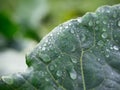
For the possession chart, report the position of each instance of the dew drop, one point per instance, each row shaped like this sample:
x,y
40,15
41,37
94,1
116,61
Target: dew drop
x,y
73,74
47,79
41,73
43,48
7,79
119,23
74,60
73,48
52,67
104,35
60,27
104,22
79,20
100,43
45,57
114,15
107,55
115,48
98,59
104,29
72,31
97,22
59,73
90,23
83,37
66,27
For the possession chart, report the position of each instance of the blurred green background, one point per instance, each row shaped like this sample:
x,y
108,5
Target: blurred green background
x,y
23,23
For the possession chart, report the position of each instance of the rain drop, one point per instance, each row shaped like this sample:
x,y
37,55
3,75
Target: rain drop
x,y
98,59
90,23
107,55
104,35
114,15
66,27
79,20
43,48
119,23
115,48
73,74
100,43
104,29
59,73
52,67
104,22
72,31
7,79
74,60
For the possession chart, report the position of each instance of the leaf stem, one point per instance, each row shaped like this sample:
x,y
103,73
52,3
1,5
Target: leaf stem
x,y
82,71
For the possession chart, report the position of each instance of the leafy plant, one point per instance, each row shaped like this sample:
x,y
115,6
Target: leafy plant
x,y
81,54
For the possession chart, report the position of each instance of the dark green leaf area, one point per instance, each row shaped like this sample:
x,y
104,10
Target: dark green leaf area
x,y
80,54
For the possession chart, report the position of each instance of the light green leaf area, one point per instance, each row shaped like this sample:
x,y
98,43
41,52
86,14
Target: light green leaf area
x,y
81,54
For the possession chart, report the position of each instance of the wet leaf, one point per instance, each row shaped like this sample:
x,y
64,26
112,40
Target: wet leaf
x,y
81,54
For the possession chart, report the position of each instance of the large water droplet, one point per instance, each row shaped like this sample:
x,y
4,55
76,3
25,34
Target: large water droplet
x,y
83,37
104,35
72,31
104,22
90,23
107,55
43,48
45,57
59,73
73,74
52,67
119,23
74,60
98,59
115,48
7,79
79,20
100,43
114,15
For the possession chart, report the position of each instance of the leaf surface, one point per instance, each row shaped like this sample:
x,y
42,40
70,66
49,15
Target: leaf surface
x,y
81,54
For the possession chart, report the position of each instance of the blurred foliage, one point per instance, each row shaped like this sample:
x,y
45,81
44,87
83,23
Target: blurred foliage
x,y
35,18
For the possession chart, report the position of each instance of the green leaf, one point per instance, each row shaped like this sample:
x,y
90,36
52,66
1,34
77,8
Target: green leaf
x,y
81,54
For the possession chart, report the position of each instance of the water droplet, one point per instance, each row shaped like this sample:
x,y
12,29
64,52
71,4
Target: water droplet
x,y
108,11
104,35
73,48
45,57
79,20
72,31
119,23
59,73
60,27
90,23
98,59
104,22
107,55
47,79
43,48
83,37
104,29
100,43
97,22
7,79
41,73
114,15
66,27
52,67
73,74
115,48
74,60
